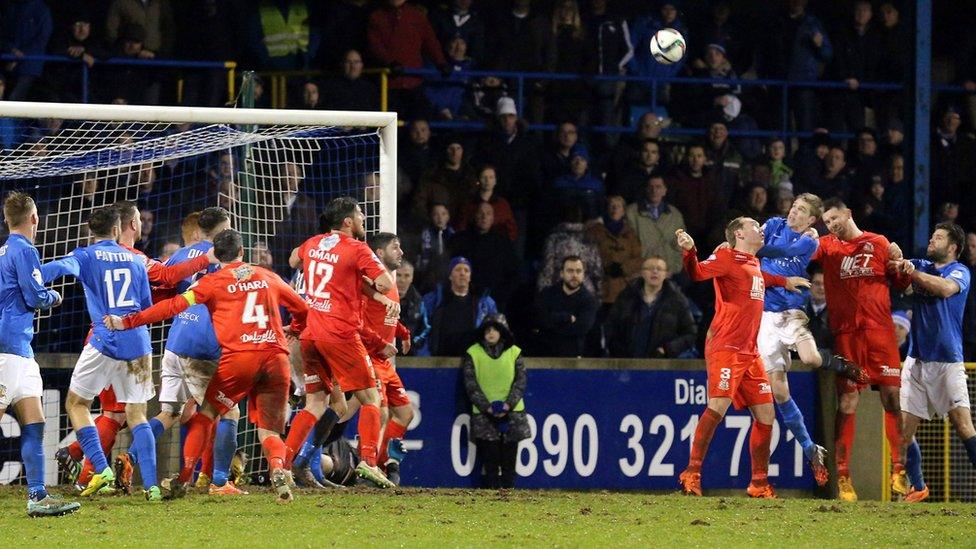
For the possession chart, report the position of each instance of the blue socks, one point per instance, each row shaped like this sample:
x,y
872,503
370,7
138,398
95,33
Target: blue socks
x,y
793,419
225,444
913,465
306,451
32,454
144,446
315,465
157,430
970,445
92,447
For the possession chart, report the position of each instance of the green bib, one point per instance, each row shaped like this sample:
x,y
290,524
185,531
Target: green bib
x,y
284,37
495,375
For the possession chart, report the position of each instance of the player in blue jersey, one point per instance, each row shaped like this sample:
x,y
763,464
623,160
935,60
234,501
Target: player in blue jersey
x,y
789,245
115,282
933,378
21,292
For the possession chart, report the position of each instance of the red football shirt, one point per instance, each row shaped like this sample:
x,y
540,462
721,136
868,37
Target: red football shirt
x,y
164,278
243,301
856,282
739,292
385,329
334,265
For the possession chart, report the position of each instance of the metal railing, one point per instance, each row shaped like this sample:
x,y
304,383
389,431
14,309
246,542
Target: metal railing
x,y
229,66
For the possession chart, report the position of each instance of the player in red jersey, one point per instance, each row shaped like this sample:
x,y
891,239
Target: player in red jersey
x,y
243,301
163,278
857,277
395,408
335,264
736,374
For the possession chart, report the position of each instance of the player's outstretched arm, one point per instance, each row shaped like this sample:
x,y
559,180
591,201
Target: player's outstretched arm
x,y
803,246
66,266
699,270
794,283
168,308
939,286
294,260
168,276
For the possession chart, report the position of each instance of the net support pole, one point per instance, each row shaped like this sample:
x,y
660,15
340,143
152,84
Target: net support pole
x,y
922,118
388,176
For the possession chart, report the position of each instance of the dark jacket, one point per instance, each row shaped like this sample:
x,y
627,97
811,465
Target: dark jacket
x,y
484,305
342,94
672,326
558,334
483,425
516,162
494,263
413,315
818,327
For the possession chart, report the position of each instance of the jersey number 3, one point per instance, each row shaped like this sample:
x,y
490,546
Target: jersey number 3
x,y
254,312
120,299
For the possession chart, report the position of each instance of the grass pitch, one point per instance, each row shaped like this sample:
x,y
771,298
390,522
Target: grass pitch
x,y
424,518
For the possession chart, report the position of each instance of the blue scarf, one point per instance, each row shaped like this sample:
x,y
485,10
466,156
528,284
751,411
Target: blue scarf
x,y
613,226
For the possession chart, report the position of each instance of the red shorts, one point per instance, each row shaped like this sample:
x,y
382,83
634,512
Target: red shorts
x,y
739,377
261,376
392,391
318,377
346,362
876,351
108,402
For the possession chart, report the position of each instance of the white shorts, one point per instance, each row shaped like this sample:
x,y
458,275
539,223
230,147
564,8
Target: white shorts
x,y
183,377
131,379
20,378
779,332
931,389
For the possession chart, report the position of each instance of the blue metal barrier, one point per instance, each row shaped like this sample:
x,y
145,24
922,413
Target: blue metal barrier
x,y
229,66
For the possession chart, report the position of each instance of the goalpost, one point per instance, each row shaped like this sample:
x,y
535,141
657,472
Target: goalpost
x,y
274,170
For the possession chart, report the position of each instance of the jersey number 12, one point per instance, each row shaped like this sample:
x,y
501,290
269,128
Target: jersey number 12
x,y
120,299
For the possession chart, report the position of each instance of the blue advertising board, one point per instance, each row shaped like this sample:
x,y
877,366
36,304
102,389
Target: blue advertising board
x,y
596,429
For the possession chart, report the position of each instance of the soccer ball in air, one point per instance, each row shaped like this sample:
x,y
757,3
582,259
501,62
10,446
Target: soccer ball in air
x,y
667,46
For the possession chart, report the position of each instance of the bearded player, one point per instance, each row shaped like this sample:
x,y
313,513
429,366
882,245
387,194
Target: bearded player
x,y
856,277
243,301
335,265
789,244
735,372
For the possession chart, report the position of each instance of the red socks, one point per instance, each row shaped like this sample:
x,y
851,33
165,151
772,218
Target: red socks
x,y
703,437
369,433
199,430
759,439
206,459
301,426
893,434
274,451
843,441
393,430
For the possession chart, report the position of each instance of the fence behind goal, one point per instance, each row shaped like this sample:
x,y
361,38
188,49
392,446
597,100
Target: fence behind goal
x,y
274,178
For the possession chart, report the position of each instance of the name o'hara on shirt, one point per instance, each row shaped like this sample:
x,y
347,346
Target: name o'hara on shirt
x,y
247,286
114,257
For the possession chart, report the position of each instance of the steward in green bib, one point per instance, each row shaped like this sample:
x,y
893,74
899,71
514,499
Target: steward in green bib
x,y
494,379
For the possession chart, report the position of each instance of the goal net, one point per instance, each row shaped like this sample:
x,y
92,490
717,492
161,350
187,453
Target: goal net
x,y
273,170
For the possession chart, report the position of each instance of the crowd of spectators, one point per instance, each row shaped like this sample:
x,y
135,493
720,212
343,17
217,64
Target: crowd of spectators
x,y
568,233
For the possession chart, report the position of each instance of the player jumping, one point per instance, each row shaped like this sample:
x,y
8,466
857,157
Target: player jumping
x,y
933,377
735,372
787,251
855,266
243,301
21,292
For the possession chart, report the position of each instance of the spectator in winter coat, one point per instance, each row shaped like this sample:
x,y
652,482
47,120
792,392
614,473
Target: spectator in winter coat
x,y
460,21
413,314
504,218
620,249
515,154
493,261
655,222
75,41
565,312
448,97
555,160
450,183
579,186
495,380
857,58
651,318
155,16
455,311
609,36
570,239
350,92
694,193
400,36
27,27
415,155
632,185
433,249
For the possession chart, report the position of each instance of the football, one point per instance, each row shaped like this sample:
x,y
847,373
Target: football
x,y
667,46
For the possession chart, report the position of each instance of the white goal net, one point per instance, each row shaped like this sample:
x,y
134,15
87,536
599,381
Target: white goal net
x,y
273,170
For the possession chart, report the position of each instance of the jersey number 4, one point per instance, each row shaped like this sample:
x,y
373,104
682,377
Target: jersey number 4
x,y
322,274
254,312
120,299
